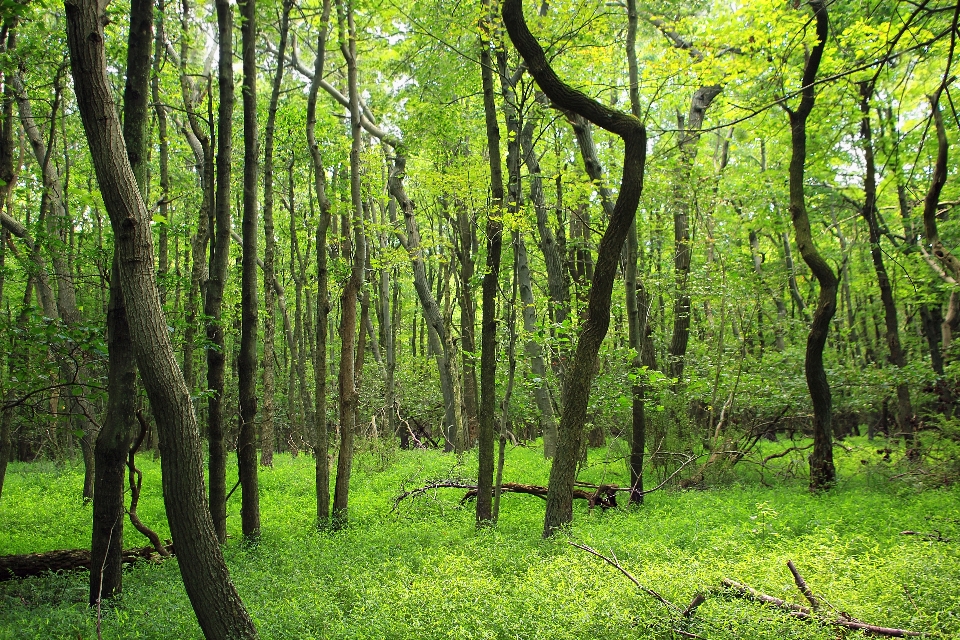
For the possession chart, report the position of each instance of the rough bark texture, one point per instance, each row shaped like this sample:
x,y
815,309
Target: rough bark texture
x,y
576,391
320,433
219,610
356,249
217,274
491,280
247,361
113,441
823,474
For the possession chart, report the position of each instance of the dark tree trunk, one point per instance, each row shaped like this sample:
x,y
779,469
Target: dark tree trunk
x,y
869,212
219,610
576,391
491,283
219,255
823,474
113,441
247,363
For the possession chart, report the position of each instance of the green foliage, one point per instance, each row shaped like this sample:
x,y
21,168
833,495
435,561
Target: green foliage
x,y
423,571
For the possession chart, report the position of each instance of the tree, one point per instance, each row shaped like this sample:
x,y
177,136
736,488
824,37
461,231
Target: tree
x,y
219,610
822,472
576,390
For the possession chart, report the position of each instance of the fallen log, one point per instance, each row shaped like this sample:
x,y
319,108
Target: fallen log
x,y
33,564
604,495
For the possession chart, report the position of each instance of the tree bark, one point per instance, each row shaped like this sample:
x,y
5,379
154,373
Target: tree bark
x,y
320,433
576,391
869,213
218,607
491,279
355,249
247,361
217,273
267,433
823,474
113,441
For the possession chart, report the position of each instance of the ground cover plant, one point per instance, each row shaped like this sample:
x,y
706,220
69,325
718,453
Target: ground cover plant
x,y
422,569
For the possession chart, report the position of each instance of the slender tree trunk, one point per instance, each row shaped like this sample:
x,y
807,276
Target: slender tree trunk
x,y
491,280
247,364
349,394
869,212
576,392
823,474
219,255
320,432
219,610
113,441
270,250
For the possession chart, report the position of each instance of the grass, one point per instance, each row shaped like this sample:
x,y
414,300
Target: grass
x,y
424,571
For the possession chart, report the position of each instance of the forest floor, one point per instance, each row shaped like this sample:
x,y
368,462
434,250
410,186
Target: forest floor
x,y
422,570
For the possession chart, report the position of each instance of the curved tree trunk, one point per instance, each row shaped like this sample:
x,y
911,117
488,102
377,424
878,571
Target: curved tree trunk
x,y
219,610
823,474
576,390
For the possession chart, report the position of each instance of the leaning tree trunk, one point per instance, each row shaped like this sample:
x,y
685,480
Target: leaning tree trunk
x,y
576,392
219,610
823,474
113,441
247,361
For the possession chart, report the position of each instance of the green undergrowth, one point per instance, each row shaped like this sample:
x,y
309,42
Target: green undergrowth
x,y
422,570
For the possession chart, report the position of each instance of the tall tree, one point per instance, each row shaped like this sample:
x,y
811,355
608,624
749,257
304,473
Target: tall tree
x,y
113,441
219,610
247,361
576,391
823,474
491,277
355,249
217,273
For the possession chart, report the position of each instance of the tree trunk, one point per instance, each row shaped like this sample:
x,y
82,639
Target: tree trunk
x,y
113,441
320,433
823,474
869,213
269,257
349,394
491,281
219,255
576,391
247,364
218,607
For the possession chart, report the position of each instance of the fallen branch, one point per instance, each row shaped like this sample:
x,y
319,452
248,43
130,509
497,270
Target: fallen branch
x,y
604,495
805,613
802,585
33,564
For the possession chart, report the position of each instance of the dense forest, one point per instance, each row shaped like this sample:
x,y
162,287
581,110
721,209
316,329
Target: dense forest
x,y
671,230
